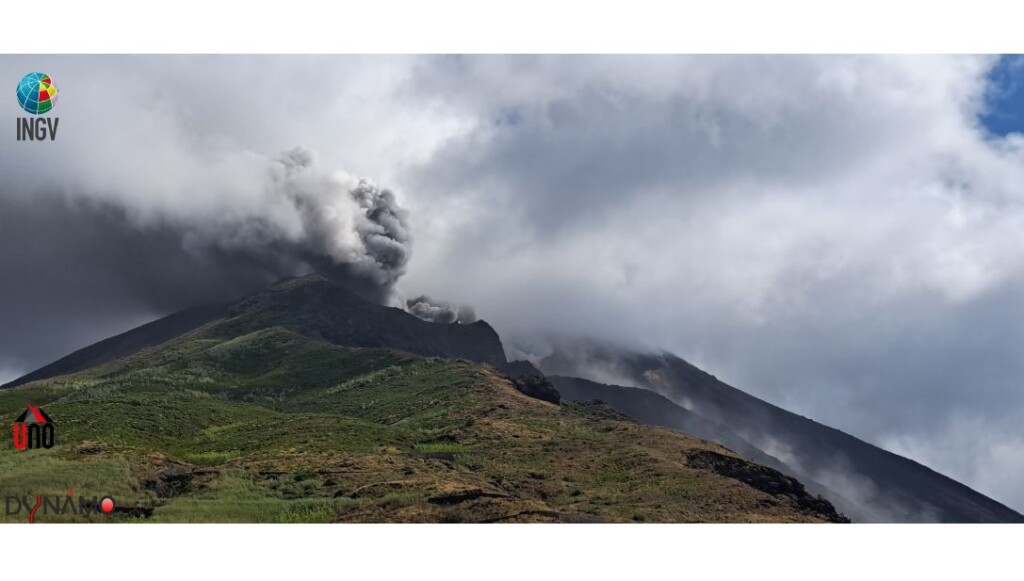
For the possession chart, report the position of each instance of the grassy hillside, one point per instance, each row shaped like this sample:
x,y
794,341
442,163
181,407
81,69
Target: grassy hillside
x,y
271,426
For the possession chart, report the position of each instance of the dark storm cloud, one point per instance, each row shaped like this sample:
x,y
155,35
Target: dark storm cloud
x,y
75,272
154,205
78,268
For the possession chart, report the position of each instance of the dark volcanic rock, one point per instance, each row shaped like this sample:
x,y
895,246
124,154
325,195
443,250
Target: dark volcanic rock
x,y
311,306
767,480
320,309
520,368
537,387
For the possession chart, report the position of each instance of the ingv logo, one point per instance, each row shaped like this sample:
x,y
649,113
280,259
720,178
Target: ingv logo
x,y
37,95
33,429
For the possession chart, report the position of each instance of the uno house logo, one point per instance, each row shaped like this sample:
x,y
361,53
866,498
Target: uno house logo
x,y
33,429
37,95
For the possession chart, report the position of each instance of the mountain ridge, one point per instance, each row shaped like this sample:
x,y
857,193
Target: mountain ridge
x,y
317,309
363,326
869,483
258,417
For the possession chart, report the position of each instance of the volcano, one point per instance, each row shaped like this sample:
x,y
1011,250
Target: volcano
x,y
866,482
324,406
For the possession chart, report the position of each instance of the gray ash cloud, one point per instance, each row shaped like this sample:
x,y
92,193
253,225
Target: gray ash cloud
x,y
81,266
434,311
354,231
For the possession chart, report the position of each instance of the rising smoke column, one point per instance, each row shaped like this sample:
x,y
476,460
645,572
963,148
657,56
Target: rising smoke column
x,y
105,255
222,233
354,232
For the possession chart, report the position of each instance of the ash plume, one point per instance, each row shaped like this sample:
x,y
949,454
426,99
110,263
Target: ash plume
x,y
440,312
110,256
353,231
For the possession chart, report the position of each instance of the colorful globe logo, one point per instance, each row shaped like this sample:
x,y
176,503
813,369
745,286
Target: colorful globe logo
x,y
36,93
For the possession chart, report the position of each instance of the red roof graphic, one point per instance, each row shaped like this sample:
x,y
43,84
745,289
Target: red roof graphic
x,y
33,415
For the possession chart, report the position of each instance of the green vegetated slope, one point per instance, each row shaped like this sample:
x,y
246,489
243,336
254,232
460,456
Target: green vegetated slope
x,y
271,426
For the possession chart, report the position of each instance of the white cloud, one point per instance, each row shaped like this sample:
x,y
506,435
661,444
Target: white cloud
x,y
837,235
972,449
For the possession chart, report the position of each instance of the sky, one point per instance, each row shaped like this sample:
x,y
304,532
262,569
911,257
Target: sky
x,y
1004,113
837,235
